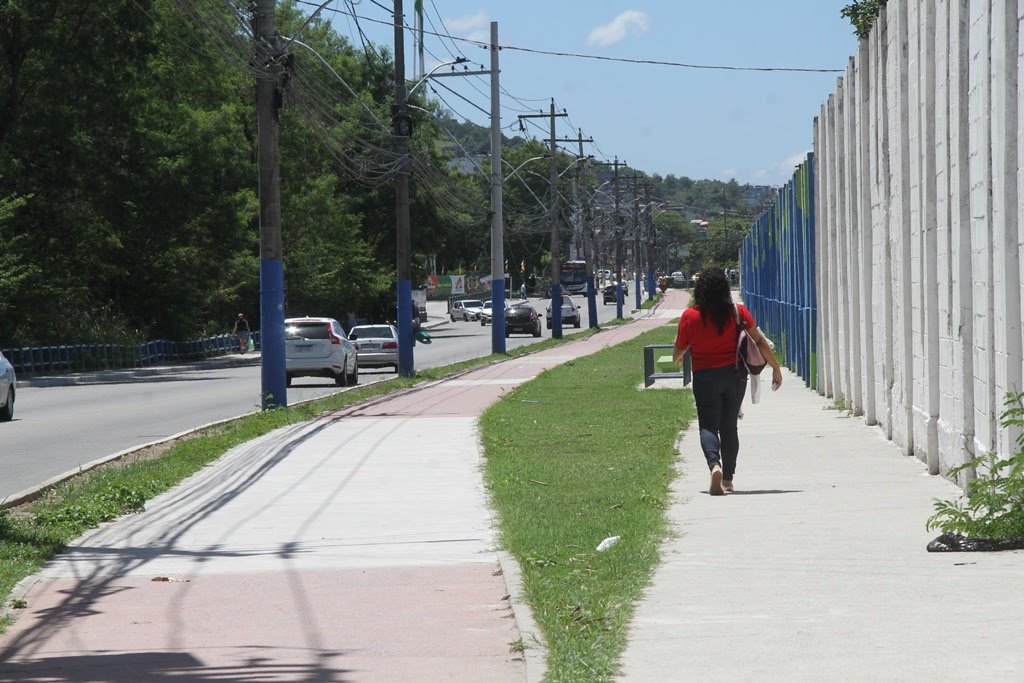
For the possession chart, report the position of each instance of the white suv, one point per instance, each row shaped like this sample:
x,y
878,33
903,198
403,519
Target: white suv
x,y
318,347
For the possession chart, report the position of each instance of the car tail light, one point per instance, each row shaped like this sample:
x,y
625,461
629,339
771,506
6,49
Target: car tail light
x,y
533,316
335,339
355,345
390,345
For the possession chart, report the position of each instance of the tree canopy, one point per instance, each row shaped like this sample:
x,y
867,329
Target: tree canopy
x,y
128,197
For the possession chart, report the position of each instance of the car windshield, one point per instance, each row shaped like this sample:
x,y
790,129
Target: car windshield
x,y
307,331
372,331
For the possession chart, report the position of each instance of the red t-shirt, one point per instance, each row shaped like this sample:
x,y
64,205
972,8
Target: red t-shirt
x,y
708,349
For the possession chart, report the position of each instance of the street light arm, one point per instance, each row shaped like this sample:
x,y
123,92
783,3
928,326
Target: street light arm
x,y
516,169
457,60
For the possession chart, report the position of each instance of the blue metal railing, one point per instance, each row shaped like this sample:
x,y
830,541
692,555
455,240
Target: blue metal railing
x,y
84,357
778,274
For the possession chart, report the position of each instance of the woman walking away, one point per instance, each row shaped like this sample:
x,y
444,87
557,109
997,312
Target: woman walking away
x,y
242,332
709,330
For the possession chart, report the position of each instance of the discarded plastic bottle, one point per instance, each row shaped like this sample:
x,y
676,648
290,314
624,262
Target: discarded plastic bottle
x,y
607,543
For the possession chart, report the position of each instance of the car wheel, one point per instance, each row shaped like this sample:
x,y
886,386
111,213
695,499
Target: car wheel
x,y
288,380
576,324
353,379
536,332
341,380
482,323
7,412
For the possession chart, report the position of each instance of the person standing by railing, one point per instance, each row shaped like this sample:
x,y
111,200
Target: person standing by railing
x,y
242,332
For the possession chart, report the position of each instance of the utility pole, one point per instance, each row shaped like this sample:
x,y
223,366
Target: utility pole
x,y
497,224
556,255
618,240
588,246
649,233
587,251
636,241
402,132
268,100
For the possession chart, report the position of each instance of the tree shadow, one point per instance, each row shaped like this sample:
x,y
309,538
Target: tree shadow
x,y
179,667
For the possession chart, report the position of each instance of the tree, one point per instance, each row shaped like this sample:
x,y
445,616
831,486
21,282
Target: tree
x,y
863,14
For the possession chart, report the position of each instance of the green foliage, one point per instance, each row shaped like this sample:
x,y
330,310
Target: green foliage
x,y
863,14
994,507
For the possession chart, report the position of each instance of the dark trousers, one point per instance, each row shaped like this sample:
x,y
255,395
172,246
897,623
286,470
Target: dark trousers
x,y
718,393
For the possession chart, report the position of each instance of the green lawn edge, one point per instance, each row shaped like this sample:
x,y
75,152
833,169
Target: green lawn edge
x,y
577,455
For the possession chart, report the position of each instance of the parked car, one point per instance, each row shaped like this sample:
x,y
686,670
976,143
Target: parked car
x,y
522,318
679,279
7,382
318,347
487,314
570,313
376,345
466,309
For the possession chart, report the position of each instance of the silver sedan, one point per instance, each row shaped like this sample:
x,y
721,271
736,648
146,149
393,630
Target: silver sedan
x,y
376,345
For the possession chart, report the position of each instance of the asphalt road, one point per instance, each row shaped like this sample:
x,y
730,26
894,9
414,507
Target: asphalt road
x,y
58,429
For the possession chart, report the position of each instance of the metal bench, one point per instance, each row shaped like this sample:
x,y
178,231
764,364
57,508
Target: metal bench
x,y
651,364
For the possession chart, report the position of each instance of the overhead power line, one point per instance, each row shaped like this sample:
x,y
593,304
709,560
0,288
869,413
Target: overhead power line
x,y
578,55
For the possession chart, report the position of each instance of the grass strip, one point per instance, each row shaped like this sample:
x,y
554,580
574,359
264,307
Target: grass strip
x,y
575,456
34,534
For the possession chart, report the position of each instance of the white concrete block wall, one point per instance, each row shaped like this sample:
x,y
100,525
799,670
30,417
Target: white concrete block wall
x,y
920,175
899,230
852,246
840,232
930,341
916,129
962,268
821,221
834,333
980,134
864,66
880,227
945,91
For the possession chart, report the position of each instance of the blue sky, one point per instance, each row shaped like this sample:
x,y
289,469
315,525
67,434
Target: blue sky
x,y
749,125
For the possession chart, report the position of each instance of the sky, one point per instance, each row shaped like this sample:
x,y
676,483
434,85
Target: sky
x,y
753,126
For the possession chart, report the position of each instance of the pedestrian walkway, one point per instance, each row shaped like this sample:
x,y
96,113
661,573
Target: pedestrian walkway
x,y
360,547
356,547
815,569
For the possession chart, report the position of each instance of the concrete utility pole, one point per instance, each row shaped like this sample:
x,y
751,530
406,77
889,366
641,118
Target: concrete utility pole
x,y
268,102
588,246
556,256
497,224
400,120
649,232
636,240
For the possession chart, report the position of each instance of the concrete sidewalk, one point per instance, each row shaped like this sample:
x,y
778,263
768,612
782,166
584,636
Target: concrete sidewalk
x,y
356,547
359,547
816,569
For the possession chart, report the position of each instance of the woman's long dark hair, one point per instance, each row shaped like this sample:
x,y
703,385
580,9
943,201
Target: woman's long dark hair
x,y
713,298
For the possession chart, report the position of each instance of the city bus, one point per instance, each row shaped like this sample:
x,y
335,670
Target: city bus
x,y
574,277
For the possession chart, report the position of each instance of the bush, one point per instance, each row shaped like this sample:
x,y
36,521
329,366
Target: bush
x,y
994,507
